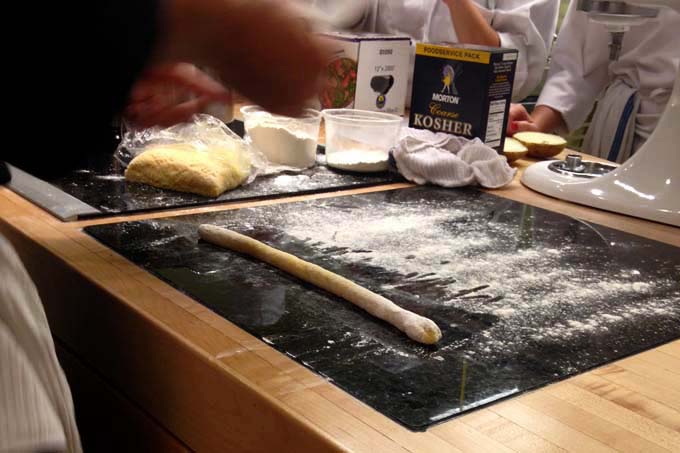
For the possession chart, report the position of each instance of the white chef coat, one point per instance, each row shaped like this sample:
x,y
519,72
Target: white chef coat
x,y
36,410
525,25
580,68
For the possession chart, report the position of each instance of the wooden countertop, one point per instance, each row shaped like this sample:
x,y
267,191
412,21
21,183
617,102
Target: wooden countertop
x,y
217,388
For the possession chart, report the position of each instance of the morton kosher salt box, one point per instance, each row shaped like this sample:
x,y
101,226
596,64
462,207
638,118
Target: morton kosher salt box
x,y
463,90
367,71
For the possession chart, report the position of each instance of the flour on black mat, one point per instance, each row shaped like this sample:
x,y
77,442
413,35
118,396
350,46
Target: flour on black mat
x,y
498,267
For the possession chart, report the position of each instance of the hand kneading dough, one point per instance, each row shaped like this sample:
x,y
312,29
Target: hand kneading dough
x,y
183,168
418,328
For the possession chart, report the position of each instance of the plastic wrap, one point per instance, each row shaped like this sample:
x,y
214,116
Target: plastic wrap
x,y
203,133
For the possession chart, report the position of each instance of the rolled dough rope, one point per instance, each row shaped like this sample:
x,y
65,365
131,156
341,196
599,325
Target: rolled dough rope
x,y
418,328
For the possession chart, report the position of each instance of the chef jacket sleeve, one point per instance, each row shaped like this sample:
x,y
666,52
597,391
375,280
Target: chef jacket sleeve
x,y
529,27
578,69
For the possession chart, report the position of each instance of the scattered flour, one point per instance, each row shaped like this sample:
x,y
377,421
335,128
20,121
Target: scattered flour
x,y
485,267
504,312
289,180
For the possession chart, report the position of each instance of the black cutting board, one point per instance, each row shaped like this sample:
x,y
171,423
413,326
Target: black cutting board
x,y
524,296
103,187
99,188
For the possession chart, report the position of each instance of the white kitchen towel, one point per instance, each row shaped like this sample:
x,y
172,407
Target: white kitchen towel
x,y
446,160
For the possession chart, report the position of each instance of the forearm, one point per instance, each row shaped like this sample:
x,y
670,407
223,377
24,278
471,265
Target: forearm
x,y
243,41
203,31
188,26
470,25
547,119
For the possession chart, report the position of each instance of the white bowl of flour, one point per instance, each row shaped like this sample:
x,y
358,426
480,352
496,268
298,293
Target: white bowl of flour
x,y
283,140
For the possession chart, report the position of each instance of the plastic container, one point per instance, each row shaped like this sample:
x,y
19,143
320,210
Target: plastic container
x,y
284,141
360,140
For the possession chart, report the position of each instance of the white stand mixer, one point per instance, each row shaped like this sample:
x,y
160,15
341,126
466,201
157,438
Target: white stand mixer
x,y
648,184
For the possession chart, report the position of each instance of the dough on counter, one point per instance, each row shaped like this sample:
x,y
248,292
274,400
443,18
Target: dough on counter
x,y
418,328
184,168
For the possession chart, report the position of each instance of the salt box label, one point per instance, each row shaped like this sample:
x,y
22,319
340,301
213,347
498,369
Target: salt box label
x,y
463,90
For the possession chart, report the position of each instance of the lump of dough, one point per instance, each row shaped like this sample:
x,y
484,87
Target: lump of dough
x,y
417,327
184,168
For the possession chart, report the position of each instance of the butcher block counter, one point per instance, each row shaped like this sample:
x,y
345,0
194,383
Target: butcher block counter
x,y
154,370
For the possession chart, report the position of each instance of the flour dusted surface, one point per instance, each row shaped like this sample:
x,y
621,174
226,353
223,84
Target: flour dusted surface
x,y
537,291
524,297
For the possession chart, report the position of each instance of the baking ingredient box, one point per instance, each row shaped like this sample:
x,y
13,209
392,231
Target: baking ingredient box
x,y
368,71
463,90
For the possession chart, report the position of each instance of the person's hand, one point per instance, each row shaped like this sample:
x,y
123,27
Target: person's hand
x,y
257,47
171,93
519,120
542,119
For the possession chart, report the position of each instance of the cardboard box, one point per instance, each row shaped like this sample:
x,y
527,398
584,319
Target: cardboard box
x,y
463,90
368,72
